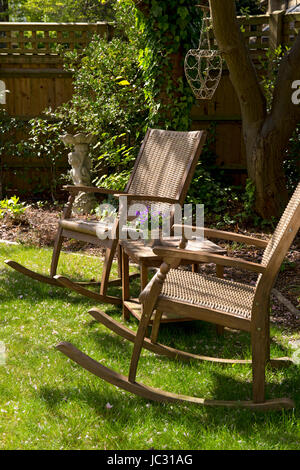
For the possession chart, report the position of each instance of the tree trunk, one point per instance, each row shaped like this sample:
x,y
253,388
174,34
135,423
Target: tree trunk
x,y
266,135
265,169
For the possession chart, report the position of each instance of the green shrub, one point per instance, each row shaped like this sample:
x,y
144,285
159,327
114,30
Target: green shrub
x,y
12,207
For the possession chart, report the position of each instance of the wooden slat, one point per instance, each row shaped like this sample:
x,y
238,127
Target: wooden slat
x,y
17,26
37,73
253,20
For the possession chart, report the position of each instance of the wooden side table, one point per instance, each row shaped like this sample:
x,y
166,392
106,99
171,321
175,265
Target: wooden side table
x,y
143,255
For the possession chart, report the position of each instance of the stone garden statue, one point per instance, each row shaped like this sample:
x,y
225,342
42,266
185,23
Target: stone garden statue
x,y
81,169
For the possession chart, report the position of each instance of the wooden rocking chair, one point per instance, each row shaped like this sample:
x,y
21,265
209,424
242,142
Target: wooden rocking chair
x,y
162,174
223,302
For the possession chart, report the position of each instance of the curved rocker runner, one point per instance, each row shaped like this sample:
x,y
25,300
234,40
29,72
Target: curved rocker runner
x,y
61,281
168,351
155,394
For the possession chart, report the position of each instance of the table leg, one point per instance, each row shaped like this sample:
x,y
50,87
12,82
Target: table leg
x,y
125,283
119,255
220,271
144,276
144,281
195,267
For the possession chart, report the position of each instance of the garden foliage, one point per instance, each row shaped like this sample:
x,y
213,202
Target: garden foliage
x,y
60,11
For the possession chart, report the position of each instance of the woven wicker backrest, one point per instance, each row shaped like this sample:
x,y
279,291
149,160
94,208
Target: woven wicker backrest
x,y
282,225
166,163
279,243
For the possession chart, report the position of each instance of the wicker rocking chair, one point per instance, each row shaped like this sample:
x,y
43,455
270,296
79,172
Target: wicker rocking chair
x,y
210,299
161,175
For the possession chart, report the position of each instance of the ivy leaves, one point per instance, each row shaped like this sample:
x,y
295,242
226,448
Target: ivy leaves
x,y
170,28
156,9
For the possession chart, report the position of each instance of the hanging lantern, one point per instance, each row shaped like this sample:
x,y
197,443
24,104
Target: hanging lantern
x,y
203,66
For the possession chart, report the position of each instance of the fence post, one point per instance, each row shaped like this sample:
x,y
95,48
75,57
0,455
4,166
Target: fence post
x,y
276,28
105,29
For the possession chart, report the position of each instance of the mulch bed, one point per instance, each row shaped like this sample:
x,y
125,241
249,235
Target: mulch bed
x,y
37,227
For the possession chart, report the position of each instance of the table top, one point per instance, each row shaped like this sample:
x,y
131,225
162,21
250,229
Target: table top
x,y
139,252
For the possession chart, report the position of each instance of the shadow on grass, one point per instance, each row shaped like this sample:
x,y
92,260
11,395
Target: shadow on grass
x,y
197,337
224,385
35,290
128,410
220,382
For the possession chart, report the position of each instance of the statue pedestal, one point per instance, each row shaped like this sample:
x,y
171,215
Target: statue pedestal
x,y
81,170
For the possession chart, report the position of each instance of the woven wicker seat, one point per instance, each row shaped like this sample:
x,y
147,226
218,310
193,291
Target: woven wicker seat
x,y
88,227
208,292
161,176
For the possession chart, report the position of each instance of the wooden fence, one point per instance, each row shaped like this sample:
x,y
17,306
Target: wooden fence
x,y
31,64
31,68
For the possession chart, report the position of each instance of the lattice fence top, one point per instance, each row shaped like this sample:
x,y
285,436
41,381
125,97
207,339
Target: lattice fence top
x,y
25,39
263,31
21,39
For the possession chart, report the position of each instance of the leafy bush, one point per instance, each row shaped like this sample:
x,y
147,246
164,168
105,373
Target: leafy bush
x,y
12,207
58,11
37,138
11,145
45,142
108,89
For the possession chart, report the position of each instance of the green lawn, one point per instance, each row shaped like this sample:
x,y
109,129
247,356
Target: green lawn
x,y
49,402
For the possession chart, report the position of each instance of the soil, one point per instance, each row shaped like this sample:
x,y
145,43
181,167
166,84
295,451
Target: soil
x,y
37,226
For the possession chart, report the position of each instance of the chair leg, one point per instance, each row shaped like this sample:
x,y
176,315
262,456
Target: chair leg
x,y
59,239
144,279
260,343
259,360
56,252
155,326
138,343
109,256
268,339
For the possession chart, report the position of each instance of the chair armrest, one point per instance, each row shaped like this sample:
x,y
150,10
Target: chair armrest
x,y
145,197
92,189
221,235
204,257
